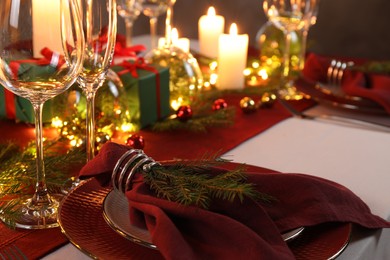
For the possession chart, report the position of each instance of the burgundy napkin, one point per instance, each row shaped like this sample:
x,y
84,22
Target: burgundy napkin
x,y
235,230
375,87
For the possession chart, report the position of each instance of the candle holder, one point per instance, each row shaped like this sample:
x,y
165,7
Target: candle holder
x,y
186,78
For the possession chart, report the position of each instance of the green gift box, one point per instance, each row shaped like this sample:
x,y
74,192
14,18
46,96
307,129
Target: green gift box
x,y
20,109
147,91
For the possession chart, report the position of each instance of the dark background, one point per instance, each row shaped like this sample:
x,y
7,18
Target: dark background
x,y
354,28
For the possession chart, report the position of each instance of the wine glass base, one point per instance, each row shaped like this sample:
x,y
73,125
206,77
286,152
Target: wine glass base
x,y
70,184
27,216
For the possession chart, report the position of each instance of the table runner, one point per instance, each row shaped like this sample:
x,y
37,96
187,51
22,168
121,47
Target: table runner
x,y
160,146
191,145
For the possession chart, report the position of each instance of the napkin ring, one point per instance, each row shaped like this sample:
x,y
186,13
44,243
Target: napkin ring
x,y
131,162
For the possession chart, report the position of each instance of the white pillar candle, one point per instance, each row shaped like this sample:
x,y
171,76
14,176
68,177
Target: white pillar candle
x,y
46,26
182,43
210,27
232,58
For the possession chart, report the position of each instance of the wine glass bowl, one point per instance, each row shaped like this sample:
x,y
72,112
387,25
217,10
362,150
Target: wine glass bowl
x,y
290,16
129,10
33,66
286,15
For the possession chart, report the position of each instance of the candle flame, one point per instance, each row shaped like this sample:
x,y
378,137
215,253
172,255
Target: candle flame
x,y
233,29
211,11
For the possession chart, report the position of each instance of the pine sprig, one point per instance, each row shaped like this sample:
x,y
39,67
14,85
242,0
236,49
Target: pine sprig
x,y
381,67
18,172
200,122
191,183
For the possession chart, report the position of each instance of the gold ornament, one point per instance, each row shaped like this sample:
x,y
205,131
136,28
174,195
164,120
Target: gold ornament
x,y
248,105
267,100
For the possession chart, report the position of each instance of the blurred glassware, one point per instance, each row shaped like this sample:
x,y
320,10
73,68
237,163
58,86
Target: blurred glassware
x,y
290,16
304,32
271,44
168,23
185,76
129,10
153,9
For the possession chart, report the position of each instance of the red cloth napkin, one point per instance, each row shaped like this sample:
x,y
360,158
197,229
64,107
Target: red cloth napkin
x,y
235,230
375,87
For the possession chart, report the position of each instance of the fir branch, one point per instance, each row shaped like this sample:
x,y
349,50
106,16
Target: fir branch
x,y
380,67
18,170
199,122
190,183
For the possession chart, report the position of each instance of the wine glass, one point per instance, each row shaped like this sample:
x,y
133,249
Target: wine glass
x,y
100,26
153,9
99,19
129,10
289,16
37,35
185,75
168,23
304,33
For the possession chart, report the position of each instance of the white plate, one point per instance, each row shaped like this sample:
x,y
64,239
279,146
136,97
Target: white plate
x,y
116,214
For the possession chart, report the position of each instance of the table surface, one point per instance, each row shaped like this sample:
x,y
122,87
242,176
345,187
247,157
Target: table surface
x,y
353,157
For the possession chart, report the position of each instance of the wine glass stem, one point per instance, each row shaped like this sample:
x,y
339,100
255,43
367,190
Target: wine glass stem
x,y
286,56
90,123
41,195
153,23
168,24
129,32
302,57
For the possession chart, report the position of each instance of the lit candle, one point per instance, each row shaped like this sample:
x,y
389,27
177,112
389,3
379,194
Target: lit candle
x,y
182,43
210,27
232,58
46,26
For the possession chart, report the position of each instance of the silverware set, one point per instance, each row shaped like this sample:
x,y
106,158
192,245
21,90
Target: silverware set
x,y
335,73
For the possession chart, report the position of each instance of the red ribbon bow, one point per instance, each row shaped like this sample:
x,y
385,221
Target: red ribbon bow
x,y
120,48
128,51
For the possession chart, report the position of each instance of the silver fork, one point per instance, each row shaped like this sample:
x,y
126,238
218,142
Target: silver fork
x,y
334,77
336,70
12,252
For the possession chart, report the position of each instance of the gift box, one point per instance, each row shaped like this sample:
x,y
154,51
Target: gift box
x,y
146,89
20,109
